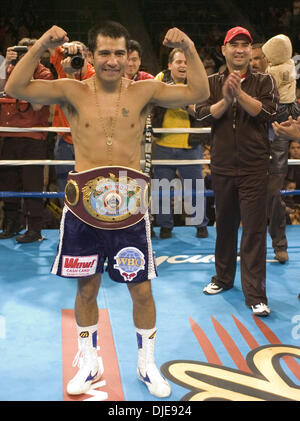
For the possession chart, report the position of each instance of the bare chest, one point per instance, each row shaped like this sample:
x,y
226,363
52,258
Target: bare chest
x,y
109,120
107,131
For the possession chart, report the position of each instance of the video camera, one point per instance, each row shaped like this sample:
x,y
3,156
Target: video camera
x,y
77,60
21,50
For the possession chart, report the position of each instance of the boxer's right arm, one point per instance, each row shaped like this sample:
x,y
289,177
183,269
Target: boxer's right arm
x,y
21,84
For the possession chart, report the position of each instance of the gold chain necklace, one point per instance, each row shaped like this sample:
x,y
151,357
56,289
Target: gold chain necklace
x,y
109,137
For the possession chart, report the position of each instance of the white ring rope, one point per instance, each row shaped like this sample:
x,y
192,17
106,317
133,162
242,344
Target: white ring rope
x,y
67,130
58,162
36,162
154,162
34,129
183,130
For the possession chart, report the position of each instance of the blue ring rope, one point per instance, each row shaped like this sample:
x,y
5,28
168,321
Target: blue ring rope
x,y
54,195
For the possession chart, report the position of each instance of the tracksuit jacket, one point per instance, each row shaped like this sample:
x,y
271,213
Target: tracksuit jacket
x,y
239,142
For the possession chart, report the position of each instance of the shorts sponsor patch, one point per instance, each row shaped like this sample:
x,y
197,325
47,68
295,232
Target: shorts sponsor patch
x,y
79,266
129,261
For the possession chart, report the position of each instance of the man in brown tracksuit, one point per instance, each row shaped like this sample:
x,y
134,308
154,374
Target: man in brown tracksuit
x,y
242,103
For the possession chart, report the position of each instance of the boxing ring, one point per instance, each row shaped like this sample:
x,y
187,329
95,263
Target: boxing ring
x,y
209,347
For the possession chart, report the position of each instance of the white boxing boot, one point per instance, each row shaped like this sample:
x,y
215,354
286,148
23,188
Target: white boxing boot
x,y
87,360
147,371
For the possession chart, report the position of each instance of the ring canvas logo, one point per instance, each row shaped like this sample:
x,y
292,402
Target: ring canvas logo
x,y
129,261
79,266
258,376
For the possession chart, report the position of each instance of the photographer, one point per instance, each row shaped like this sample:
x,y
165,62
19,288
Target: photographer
x,y
23,146
70,61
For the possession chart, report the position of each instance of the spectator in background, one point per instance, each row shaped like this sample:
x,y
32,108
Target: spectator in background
x,y
258,60
278,164
290,129
289,201
8,30
64,66
3,30
134,61
294,149
278,51
208,61
296,13
285,19
241,105
295,216
218,58
171,146
294,170
27,145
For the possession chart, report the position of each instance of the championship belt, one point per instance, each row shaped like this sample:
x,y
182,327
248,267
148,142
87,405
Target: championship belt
x,y
108,197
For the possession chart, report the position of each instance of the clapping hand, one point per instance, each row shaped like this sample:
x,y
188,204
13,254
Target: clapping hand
x,y
289,129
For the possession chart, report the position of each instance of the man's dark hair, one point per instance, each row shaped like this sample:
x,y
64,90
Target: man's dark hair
x,y
173,52
109,29
134,45
257,45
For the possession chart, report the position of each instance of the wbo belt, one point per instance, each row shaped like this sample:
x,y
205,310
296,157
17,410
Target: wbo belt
x,y
108,197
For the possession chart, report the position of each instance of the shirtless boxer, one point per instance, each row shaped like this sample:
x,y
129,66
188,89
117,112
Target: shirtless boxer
x,y
107,115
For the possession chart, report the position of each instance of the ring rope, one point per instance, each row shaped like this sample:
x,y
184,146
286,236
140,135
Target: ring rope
x,y
36,162
147,162
53,195
154,162
67,130
34,129
148,141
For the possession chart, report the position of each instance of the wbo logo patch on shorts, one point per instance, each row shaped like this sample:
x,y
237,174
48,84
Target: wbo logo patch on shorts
x,y
129,261
79,266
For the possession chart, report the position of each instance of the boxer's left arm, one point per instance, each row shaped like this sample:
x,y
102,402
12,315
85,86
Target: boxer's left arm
x,y
197,87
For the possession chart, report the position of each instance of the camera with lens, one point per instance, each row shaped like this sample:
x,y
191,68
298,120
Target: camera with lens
x,y
77,60
20,50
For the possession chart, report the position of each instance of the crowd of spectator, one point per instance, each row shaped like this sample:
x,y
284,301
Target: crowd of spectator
x,y
26,23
